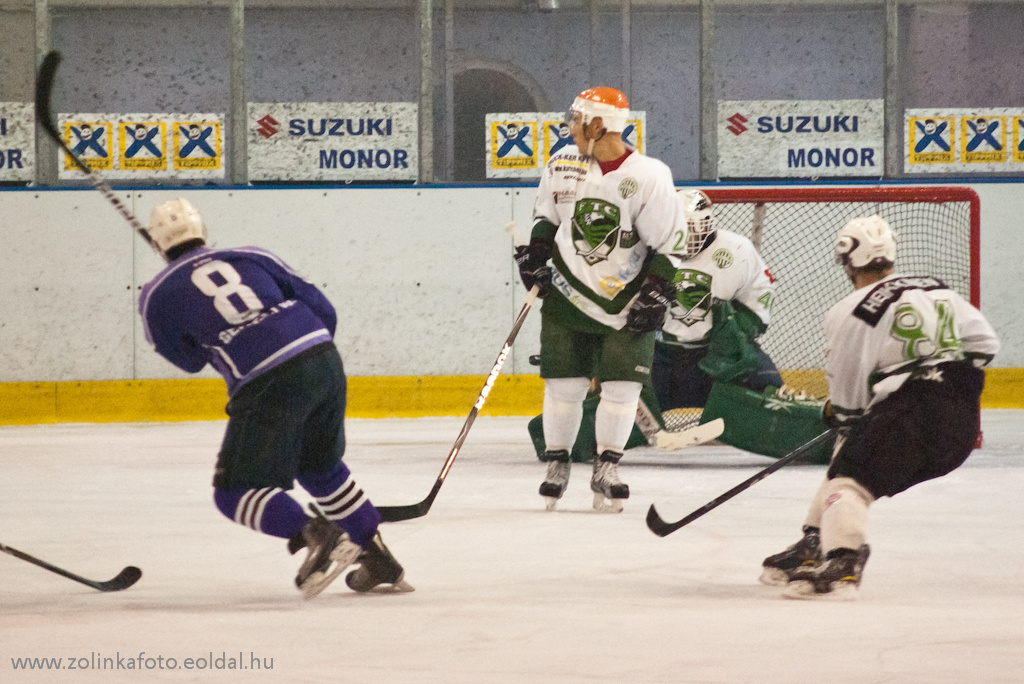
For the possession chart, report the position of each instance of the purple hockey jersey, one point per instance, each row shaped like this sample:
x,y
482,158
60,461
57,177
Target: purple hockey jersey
x,y
244,311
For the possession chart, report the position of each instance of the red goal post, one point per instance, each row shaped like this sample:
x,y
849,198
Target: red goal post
x,y
937,233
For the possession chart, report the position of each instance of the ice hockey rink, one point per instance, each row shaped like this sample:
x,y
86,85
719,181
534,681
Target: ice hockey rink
x,y
505,591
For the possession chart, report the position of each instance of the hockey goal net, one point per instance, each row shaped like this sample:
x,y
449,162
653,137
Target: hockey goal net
x,y
937,233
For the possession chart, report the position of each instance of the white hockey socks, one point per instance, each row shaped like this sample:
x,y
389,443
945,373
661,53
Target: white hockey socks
x,y
616,414
563,411
818,505
845,515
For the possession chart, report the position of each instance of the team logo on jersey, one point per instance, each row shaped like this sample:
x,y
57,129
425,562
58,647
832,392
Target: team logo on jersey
x,y
628,188
693,296
595,229
722,258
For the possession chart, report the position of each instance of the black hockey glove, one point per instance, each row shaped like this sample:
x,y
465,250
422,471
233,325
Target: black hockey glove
x,y
532,260
648,312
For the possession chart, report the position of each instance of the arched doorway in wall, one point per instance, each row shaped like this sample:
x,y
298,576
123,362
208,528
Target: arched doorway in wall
x,y
476,92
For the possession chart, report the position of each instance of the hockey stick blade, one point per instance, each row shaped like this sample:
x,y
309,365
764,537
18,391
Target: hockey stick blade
x,y
662,528
692,437
44,115
124,579
407,512
418,510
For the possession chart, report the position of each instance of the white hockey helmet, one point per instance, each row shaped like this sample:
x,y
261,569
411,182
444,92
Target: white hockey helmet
x,y
608,103
174,222
698,210
866,242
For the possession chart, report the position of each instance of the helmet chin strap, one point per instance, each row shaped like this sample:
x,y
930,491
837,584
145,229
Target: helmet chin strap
x,y
591,141
851,272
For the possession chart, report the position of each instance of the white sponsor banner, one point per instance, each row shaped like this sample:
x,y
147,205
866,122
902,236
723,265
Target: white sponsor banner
x,y
520,144
333,141
963,140
17,142
801,138
127,146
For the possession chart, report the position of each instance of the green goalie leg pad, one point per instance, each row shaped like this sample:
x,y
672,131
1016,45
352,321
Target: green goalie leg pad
x,y
766,423
586,441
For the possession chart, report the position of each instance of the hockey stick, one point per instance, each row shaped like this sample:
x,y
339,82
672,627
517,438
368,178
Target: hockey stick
x,y
44,115
416,510
126,578
662,528
663,439
691,437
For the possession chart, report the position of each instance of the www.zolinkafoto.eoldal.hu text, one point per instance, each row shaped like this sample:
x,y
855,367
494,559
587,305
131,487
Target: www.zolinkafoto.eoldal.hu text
x,y
144,661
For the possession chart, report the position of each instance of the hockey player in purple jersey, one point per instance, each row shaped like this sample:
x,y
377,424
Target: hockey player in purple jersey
x,y
270,334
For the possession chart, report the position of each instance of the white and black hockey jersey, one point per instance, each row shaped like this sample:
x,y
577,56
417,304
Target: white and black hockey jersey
x,y
607,223
730,269
879,336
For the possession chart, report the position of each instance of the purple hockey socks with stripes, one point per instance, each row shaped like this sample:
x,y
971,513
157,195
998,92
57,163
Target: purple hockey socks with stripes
x,y
343,502
269,510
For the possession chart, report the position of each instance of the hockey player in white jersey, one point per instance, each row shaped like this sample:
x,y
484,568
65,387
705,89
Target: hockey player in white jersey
x,y
904,358
719,275
721,295
605,216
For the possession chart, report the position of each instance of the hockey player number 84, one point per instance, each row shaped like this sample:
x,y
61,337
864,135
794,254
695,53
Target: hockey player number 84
x,y
222,292
908,328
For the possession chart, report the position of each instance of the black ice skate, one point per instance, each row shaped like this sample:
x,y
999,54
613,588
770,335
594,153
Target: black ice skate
x,y
806,553
557,479
377,567
609,490
329,551
837,578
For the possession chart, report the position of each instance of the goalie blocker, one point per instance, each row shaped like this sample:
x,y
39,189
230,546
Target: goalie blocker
x,y
771,423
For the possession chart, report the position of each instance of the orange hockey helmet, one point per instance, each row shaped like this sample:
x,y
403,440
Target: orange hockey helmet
x,y
608,103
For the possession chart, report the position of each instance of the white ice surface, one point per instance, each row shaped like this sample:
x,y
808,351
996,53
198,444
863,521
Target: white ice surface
x,y
505,591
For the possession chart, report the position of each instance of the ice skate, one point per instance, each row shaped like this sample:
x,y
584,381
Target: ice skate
x,y
377,567
806,553
837,578
329,552
609,490
554,484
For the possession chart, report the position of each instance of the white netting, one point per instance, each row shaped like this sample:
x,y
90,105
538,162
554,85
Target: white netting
x,y
795,230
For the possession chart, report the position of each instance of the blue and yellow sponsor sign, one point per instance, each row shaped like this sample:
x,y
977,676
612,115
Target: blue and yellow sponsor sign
x,y
197,144
1017,150
513,145
556,136
930,140
91,141
633,134
142,144
983,139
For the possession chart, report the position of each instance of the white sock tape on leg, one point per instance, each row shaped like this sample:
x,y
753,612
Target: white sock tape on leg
x,y
563,411
616,414
845,515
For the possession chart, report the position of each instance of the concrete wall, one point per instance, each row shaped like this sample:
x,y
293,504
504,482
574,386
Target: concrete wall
x,y
130,57
422,277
